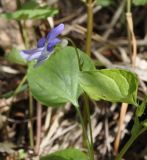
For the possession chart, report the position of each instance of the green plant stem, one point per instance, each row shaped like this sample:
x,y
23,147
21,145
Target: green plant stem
x,y
86,114
85,133
20,85
26,42
89,123
86,139
30,123
38,128
129,2
89,26
128,144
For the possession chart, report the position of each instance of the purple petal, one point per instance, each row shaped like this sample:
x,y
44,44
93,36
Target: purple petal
x,y
41,42
55,32
41,59
32,51
31,54
34,56
52,44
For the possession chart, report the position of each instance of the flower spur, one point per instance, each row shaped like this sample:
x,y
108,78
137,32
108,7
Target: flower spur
x,y
45,46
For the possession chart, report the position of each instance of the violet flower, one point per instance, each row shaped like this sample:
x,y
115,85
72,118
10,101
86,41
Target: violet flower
x,y
45,46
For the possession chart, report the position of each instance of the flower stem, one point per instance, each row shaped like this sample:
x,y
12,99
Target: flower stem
x,y
129,2
89,26
86,111
30,123
85,133
89,123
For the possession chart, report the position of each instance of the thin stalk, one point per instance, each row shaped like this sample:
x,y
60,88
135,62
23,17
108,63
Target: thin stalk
x,y
129,2
18,2
26,42
131,38
20,85
38,128
128,144
86,139
128,30
89,123
85,133
123,111
21,27
86,114
89,26
30,123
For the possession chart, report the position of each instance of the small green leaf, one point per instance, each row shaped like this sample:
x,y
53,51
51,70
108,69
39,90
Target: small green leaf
x,y
136,127
32,13
110,84
56,81
66,154
144,123
141,108
140,2
15,57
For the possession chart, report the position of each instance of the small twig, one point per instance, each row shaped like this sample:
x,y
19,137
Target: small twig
x,y
70,16
66,130
123,111
25,120
133,42
38,131
52,130
101,58
48,119
107,141
89,26
98,38
133,54
115,19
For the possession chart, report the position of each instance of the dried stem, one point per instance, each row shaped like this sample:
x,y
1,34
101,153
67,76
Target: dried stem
x,y
123,111
133,53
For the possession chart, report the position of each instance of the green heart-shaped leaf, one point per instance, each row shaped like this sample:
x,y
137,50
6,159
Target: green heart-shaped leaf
x,y
56,81
110,84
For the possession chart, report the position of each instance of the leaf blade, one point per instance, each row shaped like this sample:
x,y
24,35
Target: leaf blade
x,y
110,84
67,154
56,81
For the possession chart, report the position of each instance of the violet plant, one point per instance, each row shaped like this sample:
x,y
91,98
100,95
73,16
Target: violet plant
x,y
55,79
65,76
